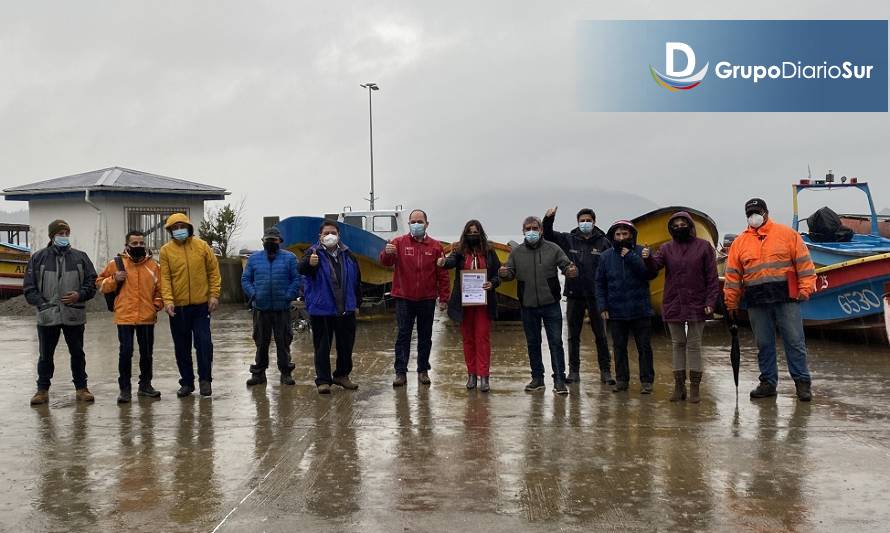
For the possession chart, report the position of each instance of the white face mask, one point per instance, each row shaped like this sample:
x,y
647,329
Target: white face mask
x,y
330,240
755,220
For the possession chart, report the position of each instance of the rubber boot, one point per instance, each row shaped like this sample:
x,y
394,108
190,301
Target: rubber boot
x,y
679,386
694,383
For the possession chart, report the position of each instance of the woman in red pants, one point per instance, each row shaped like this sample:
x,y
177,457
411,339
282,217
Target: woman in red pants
x,y
472,252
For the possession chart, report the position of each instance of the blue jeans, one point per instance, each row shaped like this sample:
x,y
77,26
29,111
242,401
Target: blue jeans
x,y
407,312
765,320
192,323
551,316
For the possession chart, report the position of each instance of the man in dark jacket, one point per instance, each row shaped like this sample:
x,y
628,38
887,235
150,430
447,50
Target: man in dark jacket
x,y
622,292
333,295
534,265
583,245
58,282
271,282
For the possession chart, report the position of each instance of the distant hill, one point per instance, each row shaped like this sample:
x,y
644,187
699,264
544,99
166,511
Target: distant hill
x,y
14,217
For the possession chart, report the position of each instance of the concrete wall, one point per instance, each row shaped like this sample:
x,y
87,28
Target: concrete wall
x,y
100,236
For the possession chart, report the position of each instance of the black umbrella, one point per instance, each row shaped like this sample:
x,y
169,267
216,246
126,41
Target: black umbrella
x,y
735,353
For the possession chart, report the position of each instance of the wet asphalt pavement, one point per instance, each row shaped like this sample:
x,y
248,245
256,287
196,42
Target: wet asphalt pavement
x,y
440,458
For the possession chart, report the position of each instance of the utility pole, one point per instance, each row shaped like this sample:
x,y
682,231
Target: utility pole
x,y
371,87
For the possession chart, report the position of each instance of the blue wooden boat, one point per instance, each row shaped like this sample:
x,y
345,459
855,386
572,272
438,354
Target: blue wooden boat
x,y
830,253
849,295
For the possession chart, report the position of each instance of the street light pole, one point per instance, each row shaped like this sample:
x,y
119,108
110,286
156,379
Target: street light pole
x,y
371,87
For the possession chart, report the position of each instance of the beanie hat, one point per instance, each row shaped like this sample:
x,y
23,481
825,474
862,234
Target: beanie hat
x,y
56,226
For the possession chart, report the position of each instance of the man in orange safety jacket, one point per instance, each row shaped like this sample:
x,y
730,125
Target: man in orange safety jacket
x,y
769,266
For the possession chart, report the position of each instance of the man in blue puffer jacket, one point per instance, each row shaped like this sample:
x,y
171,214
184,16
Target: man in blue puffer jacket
x,y
271,282
333,296
622,292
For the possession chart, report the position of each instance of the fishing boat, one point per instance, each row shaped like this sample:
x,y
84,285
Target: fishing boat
x,y
830,253
13,262
652,231
366,233
849,295
862,224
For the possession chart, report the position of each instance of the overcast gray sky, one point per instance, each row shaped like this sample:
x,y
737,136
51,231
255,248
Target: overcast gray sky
x,y
476,98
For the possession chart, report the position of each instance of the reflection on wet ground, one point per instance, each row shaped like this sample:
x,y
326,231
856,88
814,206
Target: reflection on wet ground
x,y
279,458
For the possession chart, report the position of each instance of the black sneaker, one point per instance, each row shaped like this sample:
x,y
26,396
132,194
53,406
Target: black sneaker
x,y
148,391
764,390
559,387
256,379
535,384
620,386
804,393
124,396
645,388
185,390
205,388
606,378
287,379
573,377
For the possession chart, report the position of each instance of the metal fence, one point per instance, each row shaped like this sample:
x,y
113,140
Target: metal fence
x,y
150,220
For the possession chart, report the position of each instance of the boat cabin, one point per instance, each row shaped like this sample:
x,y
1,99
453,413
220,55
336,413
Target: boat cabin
x,y
385,223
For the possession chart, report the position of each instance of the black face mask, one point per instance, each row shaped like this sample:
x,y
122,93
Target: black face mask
x,y
270,246
472,240
623,243
681,234
136,252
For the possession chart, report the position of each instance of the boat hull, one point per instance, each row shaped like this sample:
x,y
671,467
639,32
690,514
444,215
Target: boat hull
x,y
848,295
832,253
652,231
13,263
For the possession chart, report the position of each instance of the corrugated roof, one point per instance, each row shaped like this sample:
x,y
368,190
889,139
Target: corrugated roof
x,y
115,179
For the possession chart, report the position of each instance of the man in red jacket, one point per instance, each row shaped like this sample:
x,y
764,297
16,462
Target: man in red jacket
x,y
416,282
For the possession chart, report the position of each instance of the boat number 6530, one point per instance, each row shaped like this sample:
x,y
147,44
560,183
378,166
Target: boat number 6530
x,y
856,302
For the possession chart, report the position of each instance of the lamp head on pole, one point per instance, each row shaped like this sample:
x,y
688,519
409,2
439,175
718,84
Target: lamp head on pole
x,y
370,85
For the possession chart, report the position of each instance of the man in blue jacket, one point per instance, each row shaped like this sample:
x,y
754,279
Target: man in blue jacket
x,y
622,292
333,295
271,282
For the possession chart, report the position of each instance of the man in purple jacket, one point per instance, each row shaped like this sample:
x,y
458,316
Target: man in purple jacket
x,y
691,289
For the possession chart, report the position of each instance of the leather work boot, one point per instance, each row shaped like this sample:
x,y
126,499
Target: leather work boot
x,y
324,388
287,379
205,388
424,378
764,390
804,393
534,384
606,378
125,396
345,382
694,386
400,380
84,395
679,386
573,377
40,397
471,381
148,391
256,379
484,384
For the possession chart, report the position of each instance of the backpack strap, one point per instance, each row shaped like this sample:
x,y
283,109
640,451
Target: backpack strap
x,y
119,263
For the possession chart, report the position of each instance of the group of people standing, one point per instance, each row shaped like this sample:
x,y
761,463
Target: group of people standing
x,y
607,279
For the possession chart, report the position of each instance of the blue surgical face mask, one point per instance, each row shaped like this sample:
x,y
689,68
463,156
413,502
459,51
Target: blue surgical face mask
x,y
61,241
181,234
532,237
417,229
585,227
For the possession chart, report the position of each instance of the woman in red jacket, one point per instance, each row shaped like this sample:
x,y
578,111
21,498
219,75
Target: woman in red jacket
x,y
691,289
472,252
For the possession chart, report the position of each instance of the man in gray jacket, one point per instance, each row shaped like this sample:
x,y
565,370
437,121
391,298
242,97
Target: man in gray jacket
x,y
534,265
58,282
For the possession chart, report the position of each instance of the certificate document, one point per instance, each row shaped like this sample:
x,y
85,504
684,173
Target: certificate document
x,y
471,290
